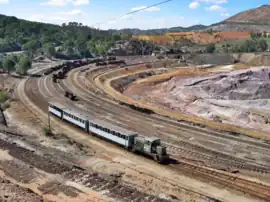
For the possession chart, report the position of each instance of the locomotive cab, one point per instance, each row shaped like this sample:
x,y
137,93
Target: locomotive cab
x,y
151,146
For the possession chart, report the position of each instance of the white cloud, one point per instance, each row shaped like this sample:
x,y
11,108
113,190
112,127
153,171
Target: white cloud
x,y
126,17
194,4
214,8
214,1
225,14
74,12
4,1
112,22
64,2
154,8
56,2
80,2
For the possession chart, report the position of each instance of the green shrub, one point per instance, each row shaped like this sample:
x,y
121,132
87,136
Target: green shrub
x,y
6,105
47,131
4,96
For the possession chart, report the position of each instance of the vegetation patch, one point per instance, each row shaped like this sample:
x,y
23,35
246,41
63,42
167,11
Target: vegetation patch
x,y
47,131
4,96
5,105
4,100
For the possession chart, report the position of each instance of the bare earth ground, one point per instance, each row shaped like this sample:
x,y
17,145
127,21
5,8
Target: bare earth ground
x,y
240,97
45,165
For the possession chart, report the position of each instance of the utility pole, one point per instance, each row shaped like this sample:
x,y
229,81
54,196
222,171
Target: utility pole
x,y
49,121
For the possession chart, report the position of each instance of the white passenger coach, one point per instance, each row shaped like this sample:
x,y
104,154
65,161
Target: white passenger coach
x,y
96,126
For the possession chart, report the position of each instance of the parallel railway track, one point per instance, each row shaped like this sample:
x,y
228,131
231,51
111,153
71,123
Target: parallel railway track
x,y
251,188
232,181
197,150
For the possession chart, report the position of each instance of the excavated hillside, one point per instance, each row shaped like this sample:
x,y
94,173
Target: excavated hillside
x,y
240,97
195,37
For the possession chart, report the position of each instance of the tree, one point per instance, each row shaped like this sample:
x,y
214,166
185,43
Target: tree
x,y
24,64
32,45
116,37
253,35
70,51
211,48
9,64
45,39
262,45
49,50
248,46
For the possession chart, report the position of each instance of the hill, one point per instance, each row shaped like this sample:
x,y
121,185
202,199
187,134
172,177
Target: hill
x,y
73,40
259,15
159,31
253,20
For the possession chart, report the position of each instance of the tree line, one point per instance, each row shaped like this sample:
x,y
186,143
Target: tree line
x,y
15,63
70,40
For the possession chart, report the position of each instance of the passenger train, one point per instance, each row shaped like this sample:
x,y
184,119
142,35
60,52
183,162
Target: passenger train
x,y
130,140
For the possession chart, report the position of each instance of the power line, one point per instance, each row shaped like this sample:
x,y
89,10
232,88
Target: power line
x,y
132,12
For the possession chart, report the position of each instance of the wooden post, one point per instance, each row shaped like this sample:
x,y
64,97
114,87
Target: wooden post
x,y
49,121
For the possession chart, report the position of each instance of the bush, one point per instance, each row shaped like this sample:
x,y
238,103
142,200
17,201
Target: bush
x,y
4,96
5,106
47,131
210,48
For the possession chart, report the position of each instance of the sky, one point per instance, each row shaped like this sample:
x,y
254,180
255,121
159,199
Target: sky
x,y
111,14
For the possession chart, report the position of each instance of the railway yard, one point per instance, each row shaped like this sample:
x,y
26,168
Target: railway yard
x,y
209,160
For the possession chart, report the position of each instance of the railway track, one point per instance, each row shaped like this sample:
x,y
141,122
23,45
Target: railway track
x,y
33,94
191,149
251,188
255,189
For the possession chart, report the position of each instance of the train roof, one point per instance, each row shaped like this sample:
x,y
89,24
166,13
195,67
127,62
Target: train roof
x,y
113,127
79,113
87,116
57,104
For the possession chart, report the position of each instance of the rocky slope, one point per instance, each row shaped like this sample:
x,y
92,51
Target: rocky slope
x,y
240,97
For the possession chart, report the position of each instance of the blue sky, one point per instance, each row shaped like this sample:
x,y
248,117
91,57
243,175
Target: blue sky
x,y
90,12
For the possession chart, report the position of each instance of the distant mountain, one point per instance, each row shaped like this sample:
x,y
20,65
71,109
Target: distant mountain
x,y
259,15
253,20
159,31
